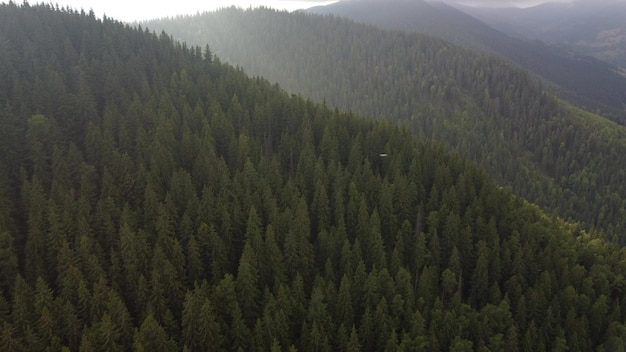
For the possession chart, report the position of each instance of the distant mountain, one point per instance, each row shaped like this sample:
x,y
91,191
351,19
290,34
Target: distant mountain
x,y
437,19
581,79
596,28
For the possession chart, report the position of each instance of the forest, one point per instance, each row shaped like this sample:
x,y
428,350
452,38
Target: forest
x,y
154,198
581,79
558,156
583,26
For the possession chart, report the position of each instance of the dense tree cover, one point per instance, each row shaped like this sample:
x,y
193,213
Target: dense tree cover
x,y
593,28
582,79
155,199
562,159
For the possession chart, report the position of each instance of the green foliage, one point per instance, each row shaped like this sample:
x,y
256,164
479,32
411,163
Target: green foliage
x,y
268,222
483,107
580,78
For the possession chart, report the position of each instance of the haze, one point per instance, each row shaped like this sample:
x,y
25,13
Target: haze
x,y
504,3
138,10
524,3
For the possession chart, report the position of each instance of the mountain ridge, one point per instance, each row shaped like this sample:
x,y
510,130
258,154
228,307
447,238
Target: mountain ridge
x,y
580,79
486,108
596,29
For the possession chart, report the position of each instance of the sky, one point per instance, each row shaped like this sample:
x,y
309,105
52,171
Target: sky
x,y
505,3
137,10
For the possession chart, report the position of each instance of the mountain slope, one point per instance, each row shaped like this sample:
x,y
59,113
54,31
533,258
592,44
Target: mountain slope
x,y
163,201
487,109
593,28
584,80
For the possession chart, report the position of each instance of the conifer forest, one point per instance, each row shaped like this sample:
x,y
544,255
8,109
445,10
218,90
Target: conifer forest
x,y
153,197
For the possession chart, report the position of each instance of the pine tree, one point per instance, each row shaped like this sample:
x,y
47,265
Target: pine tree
x,y
480,276
22,307
344,313
106,335
378,243
36,252
461,345
8,341
214,250
275,259
8,262
194,262
200,330
247,283
70,328
354,345
298,250
152,337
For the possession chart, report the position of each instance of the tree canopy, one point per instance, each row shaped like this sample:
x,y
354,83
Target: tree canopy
x,y
557,156
154,198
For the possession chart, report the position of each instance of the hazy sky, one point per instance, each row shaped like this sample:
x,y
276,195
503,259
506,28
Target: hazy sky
x,y
132,10
505,3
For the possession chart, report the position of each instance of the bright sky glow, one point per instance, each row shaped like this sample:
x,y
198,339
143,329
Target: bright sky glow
x,y
137,10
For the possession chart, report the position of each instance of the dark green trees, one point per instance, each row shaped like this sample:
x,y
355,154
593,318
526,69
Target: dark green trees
x,y
497,114
257,220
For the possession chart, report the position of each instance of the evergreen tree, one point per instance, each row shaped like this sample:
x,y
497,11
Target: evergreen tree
x,y
8,262
200,329
247,283
270,222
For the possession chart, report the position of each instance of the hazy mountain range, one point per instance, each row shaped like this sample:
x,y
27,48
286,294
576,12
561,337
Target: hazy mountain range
x,y
580,78
596,28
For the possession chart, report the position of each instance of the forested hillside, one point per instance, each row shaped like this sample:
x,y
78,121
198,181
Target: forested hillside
x,y
155,199
490,111
581,79
591,27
